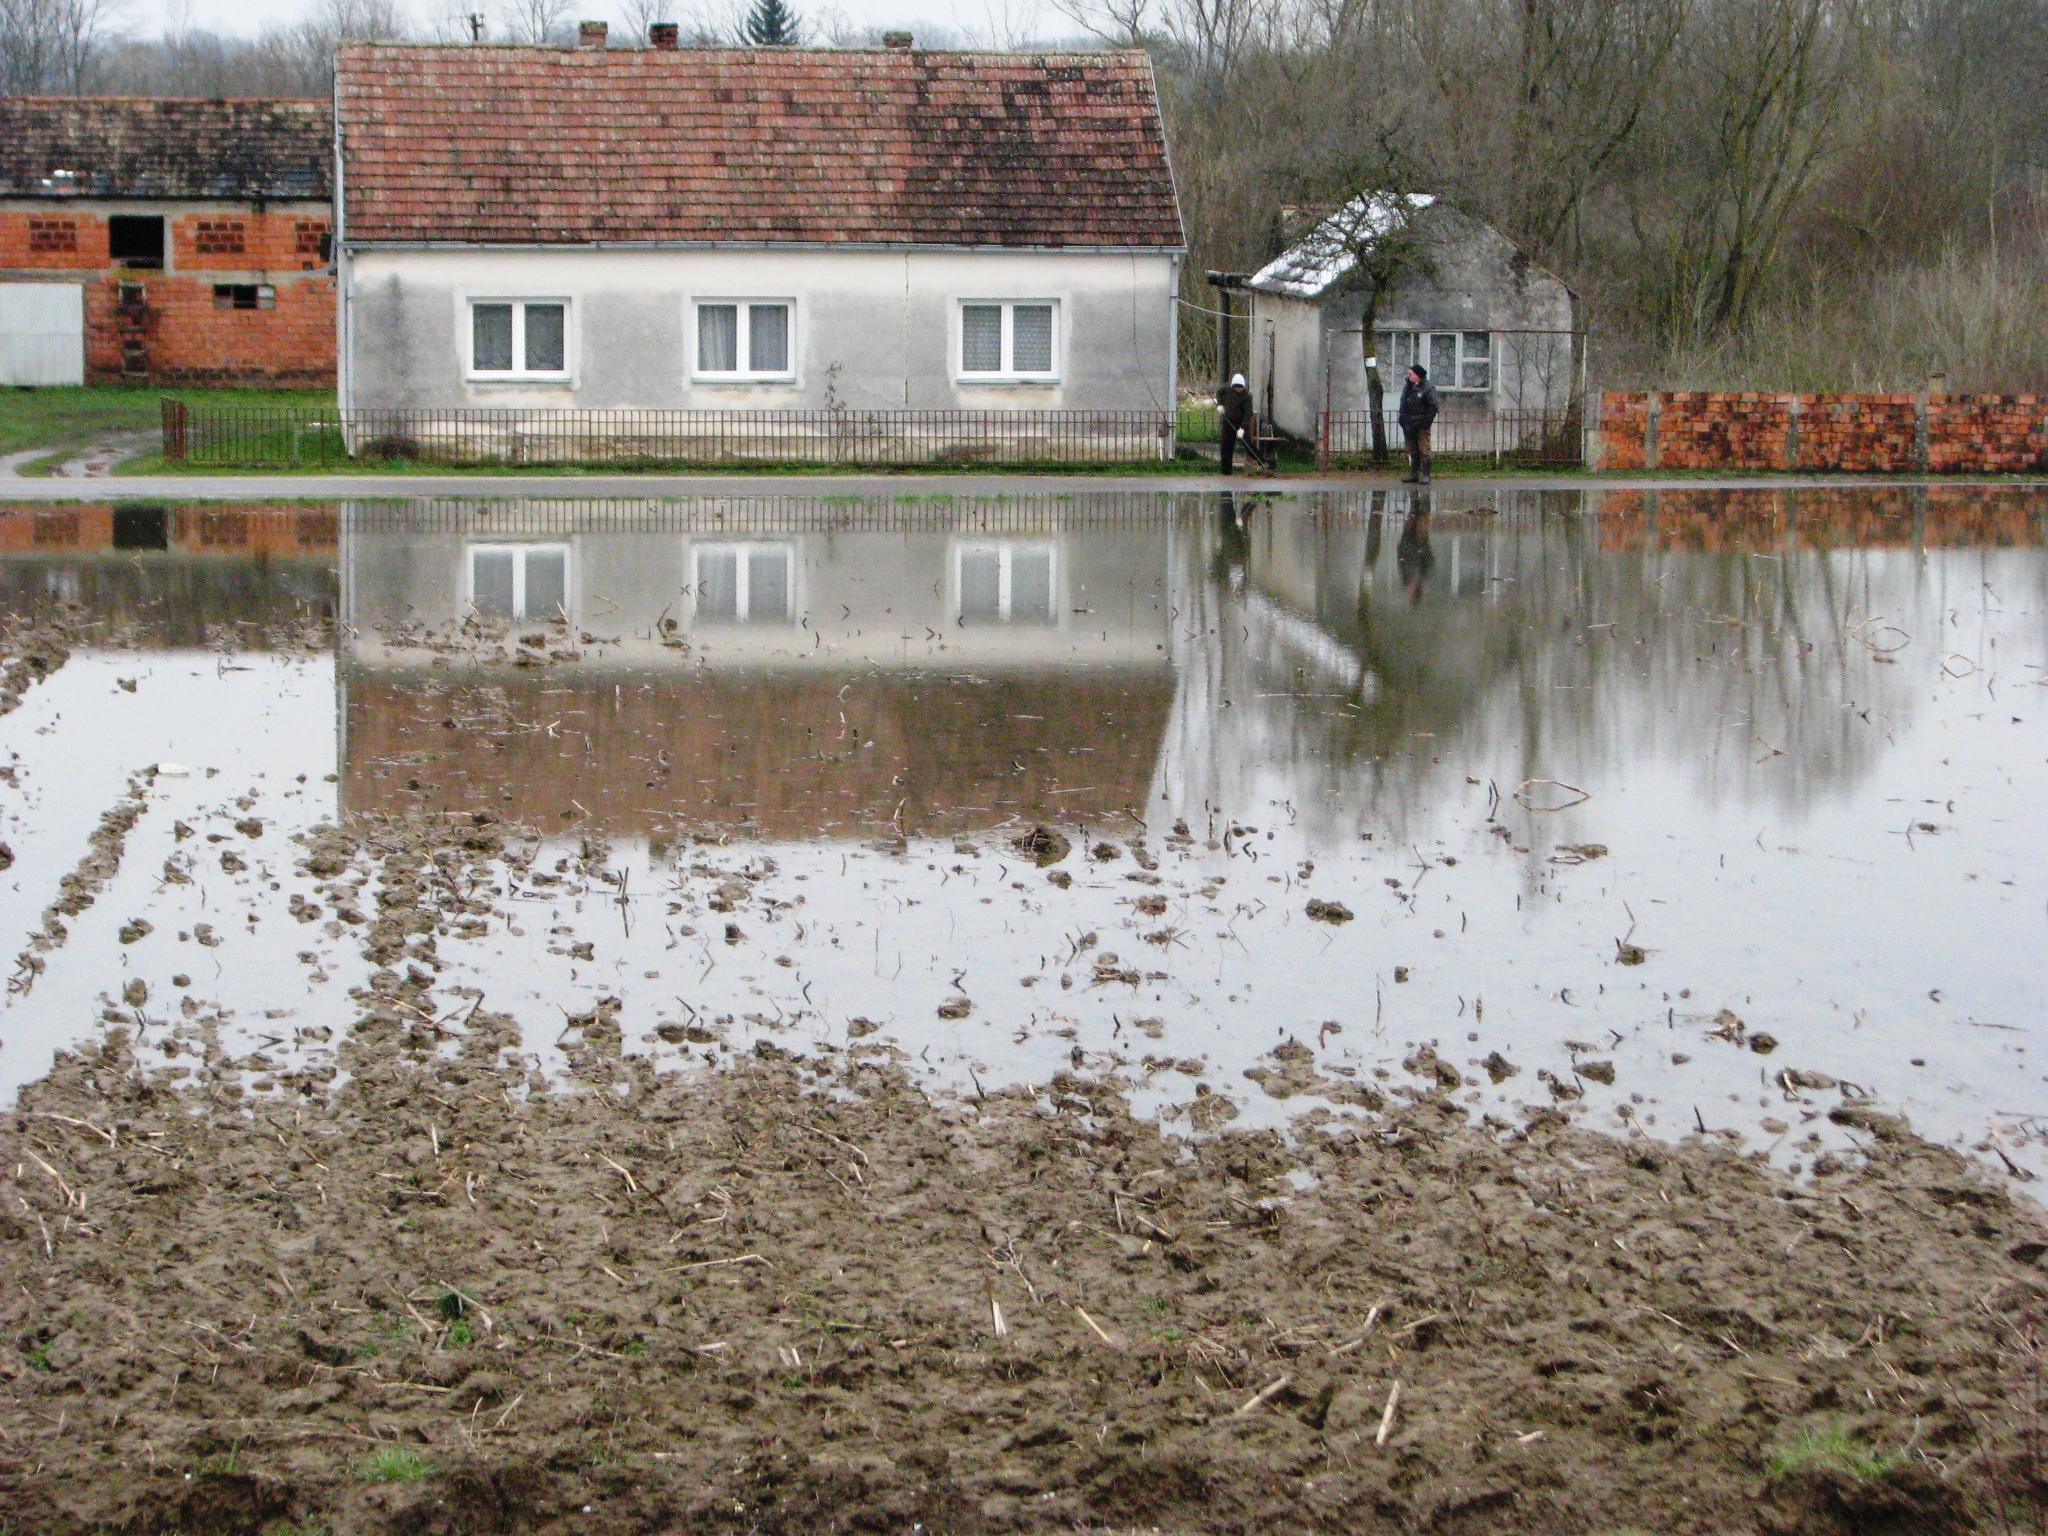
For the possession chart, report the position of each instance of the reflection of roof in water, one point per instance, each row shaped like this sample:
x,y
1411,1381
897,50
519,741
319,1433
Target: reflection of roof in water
x,y
781,754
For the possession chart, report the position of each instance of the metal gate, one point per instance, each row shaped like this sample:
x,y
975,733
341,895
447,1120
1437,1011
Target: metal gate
x,y
42,333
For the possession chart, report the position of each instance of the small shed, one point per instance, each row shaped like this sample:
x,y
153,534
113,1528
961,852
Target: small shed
x,y
1497,333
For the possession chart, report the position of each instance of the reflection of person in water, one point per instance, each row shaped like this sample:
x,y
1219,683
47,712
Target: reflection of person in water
x,y
1413,556
1234,514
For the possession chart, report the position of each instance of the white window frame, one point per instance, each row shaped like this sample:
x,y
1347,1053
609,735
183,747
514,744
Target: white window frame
x,y
1008,373
743,350
520,550
1418,346
1006,551
518,373
743,592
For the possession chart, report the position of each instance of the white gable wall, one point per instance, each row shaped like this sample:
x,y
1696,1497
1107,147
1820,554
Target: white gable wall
x,y
874,329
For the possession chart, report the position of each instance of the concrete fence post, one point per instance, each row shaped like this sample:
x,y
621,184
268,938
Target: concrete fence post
x,y
1921,433
1653,413
1792,431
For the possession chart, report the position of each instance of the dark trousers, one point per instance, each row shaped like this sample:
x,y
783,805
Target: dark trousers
x,y
1230,440
1418,451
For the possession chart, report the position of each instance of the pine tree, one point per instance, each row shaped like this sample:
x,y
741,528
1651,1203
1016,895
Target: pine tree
x,y
772,24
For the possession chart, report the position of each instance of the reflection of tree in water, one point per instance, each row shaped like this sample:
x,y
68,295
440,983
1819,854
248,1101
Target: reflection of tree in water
x,y
1354,647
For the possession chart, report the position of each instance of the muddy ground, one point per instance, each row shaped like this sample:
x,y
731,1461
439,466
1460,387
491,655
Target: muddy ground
x,y
437,1293
424,1288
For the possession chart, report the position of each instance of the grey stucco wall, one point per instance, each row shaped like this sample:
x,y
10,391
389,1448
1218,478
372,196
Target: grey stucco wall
x,y
873,329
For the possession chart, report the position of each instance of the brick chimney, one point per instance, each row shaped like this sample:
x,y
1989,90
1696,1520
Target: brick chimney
x,y
897,40
665,34
590,34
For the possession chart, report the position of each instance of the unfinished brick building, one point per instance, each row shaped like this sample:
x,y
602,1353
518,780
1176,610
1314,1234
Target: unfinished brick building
x,y
165,241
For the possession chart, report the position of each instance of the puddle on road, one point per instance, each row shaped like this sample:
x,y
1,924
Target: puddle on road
x,y
1675,809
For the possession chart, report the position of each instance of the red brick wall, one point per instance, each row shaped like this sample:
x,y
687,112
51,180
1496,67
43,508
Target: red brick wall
x,y
189,339
1703,430
1849,434
1624,431
180,335
2004,434
247,242
1860,433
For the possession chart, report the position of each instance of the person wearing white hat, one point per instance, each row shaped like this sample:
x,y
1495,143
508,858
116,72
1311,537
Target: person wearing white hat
x,y
1234,405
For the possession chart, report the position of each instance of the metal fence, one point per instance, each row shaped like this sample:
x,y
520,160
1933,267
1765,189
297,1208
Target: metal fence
x,y
1504,437
267,437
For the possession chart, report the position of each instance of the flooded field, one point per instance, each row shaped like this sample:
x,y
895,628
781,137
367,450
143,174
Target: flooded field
x,y
1123,1011
1679,809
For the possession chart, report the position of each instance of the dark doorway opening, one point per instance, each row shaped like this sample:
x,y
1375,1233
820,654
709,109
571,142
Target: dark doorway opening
x,y
142,528
136,240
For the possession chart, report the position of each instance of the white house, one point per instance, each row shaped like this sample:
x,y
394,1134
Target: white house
x,y
744,230
1494,329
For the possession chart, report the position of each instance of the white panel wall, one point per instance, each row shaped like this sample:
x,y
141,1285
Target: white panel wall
x,y
42,333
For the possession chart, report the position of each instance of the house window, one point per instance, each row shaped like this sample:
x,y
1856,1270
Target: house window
x,y
519,581
519,338
136,240
1458,361
244,296
745,339
744,583
1008,583
1014,339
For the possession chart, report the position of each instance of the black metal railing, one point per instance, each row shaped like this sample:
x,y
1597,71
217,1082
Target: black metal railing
x,y
273,437
1504,437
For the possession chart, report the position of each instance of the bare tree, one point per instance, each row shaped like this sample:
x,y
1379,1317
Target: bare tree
x,y
535,21
1119,23
52,45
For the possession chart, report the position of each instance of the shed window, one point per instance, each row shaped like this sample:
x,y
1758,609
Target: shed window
x,y
744,583
1458,361
136,240
1005,583
519,338
745,339
519,581
244,296
1009,339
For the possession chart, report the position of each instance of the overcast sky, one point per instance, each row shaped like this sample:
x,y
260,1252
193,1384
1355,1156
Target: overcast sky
x,y
1017,20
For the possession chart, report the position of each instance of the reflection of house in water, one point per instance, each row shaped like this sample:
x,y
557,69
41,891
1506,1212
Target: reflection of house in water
x,y
792,666
169,575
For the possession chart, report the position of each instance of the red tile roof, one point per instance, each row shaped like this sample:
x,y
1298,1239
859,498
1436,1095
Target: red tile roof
x,y
164,148
552,146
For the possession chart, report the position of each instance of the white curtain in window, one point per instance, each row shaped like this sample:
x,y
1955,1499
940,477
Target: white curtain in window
x,y
768,585
490,581
981,585
718,338
1031,338
1475,371
491,336
1031,586
981,338
545,348
1443,360
768,338
547,580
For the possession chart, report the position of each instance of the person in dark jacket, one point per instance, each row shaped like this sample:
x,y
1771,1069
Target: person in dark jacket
x,y
1234,404
1417,416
